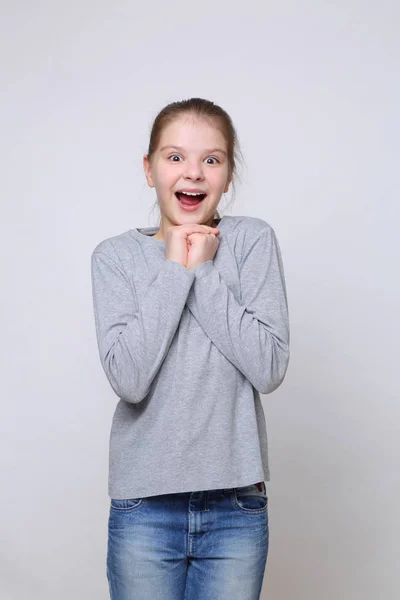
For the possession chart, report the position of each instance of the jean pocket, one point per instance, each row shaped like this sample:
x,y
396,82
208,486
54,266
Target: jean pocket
x,y
250,498
127,504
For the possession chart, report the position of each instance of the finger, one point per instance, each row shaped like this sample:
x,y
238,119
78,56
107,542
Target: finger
x,y
201,233
210,229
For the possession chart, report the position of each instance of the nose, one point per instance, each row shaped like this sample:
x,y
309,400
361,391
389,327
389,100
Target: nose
x,y
194,170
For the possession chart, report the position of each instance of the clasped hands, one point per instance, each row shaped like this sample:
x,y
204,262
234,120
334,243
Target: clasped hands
x,y
191,244
201,247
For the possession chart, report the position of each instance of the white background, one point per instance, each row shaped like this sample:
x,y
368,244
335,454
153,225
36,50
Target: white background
x,y
313,89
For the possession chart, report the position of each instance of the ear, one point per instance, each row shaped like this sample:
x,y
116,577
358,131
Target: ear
x,y
227,186
147,171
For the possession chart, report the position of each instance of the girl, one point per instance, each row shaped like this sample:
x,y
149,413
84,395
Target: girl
x,y
192,325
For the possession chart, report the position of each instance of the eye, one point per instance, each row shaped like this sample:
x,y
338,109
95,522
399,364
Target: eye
x,y
208,158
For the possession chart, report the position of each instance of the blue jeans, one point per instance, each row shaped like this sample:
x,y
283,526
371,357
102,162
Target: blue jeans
x,y
207,545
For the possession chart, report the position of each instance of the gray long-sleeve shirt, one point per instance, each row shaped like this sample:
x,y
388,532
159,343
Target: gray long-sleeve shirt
x,y
188,353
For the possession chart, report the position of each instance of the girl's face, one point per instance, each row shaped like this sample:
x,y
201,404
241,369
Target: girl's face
x,y
191,155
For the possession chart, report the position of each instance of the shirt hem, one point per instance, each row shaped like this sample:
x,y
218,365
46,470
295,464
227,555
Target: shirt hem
x,y
118,494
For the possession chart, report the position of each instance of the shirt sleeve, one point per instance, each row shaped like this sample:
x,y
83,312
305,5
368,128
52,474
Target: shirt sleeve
x,y
134,340
253,334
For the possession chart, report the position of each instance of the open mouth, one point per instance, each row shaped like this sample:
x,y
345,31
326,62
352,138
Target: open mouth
x,y
190,199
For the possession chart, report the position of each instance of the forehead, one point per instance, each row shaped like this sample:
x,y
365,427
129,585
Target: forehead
x,y
192,134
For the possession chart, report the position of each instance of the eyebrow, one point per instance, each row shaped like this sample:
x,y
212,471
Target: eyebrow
x,y
207,151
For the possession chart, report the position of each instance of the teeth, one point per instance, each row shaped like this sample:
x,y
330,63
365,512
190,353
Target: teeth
x,y
192,193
